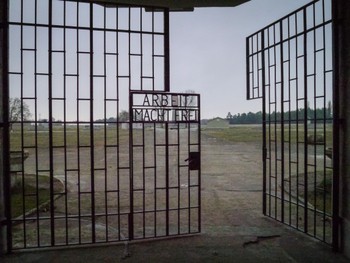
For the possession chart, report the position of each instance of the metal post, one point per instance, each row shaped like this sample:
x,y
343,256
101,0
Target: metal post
x,y
92,143
52,207
200,167
263,117
166,51
5,211
306,109
131,145
282,123
341,126
166,88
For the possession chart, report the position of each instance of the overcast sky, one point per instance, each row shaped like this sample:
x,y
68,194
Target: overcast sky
x,y
207,55
208,52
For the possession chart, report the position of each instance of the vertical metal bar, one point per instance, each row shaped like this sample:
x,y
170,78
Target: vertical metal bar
x,y
257,66
52,205
188,174
22,139
325,121
118,124
154,136
336,34
167,176
178,177
143,182
253,65
200,167
166,88
5,140
289,130
155,177
315,121
297,121
166,51
131,142
264,150
275,123
92,143
36,127
305,124
269,119
282,123
153,55
65,121
105,123
141,50
131,179
248,52
78,126
143,129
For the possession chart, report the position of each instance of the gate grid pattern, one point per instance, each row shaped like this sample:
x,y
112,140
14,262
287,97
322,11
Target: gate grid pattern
x,y
72,67
290,66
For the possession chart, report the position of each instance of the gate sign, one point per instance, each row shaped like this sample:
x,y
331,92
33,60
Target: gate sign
x,y
161,107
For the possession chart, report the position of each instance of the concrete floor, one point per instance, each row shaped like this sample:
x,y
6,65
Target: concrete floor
x,y
269,242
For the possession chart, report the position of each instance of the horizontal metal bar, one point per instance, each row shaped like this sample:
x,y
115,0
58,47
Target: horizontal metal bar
x,y
80,28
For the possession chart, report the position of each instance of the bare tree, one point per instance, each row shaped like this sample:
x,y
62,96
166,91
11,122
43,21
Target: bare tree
x,y
123,116
19,111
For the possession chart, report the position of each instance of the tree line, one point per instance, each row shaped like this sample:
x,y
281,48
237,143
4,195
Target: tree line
x,y
317,115
19,111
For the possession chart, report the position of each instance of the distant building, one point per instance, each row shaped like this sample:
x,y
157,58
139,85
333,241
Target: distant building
x,y
126,125
204,121
218,123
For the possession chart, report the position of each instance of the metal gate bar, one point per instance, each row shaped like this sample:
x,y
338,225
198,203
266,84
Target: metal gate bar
x,y
163,176
72,64
290,66
4,117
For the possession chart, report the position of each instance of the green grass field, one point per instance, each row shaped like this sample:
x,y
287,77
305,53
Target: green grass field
x,y
72,136
248,133
34,196
254,133
69,137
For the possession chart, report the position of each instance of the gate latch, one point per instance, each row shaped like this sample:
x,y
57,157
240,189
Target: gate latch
x,y
194,161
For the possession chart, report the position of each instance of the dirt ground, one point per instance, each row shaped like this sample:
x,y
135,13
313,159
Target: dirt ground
x,y
233,227
231,185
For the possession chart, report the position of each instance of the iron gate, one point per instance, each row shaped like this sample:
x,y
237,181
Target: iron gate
x,y
73,66
165,147
290,66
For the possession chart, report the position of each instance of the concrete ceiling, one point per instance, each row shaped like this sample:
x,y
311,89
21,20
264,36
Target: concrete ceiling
x,y
175,5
